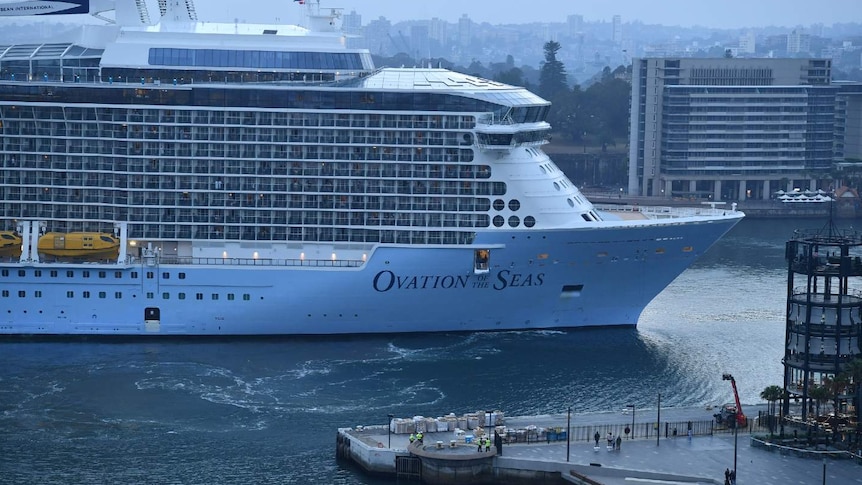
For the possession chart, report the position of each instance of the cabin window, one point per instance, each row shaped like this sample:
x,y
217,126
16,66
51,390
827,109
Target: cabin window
x,y
118,274
22,293
182,276
70,274
150,275
166,276
230,296
22,272
5,293
199,296
85,274
215,296
102,274
246,297
150,295
134,275
86,294
5,272
38,294
118,295
181,296
102,294
166,296
70,294
53,273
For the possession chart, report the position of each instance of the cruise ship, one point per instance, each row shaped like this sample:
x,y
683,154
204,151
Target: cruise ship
x,y
245,179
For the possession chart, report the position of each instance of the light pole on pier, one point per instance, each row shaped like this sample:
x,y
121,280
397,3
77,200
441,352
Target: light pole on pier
x,y
633,418
658,421
389,429
568,432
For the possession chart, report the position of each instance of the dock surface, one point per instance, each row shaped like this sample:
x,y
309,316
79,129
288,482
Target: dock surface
x,y
701,459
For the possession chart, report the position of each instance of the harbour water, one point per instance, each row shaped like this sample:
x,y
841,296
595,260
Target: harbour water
x,y
265,410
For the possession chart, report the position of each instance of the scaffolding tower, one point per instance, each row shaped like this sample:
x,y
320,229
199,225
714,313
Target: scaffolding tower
x,y
824,317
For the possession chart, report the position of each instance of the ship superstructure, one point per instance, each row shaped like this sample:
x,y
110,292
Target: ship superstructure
x,y
265,179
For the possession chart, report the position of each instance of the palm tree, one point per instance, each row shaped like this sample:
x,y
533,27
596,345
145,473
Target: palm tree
x,y
853,373
820,394
772,394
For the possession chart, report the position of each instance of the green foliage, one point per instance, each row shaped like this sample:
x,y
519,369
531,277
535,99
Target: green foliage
x,y
552,79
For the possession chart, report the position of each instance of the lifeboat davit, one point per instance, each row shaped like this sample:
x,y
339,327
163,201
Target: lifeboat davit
x,y
10,244
79,245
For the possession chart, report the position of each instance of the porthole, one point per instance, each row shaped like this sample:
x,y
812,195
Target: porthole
x,y
571,202
499,205
514,205
529,221
556,186
544,170
514,221
498,221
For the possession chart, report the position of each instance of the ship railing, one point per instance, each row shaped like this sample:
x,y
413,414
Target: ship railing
x,y
664,212
313,263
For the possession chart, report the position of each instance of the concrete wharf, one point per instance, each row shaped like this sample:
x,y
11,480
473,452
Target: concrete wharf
x,y
699,459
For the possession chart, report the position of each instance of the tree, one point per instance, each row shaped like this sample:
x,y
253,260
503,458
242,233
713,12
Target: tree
x,y
512,77
772,394
552,79
853,373
819,394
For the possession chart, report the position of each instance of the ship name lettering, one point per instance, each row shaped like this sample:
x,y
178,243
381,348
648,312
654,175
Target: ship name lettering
x,y
507,279
387,280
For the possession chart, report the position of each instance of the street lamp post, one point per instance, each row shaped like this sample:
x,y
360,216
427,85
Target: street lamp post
x,y
728,377
568,431
389,429
633,418
658,421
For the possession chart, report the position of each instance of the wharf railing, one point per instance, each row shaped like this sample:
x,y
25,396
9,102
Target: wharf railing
x,y
640,430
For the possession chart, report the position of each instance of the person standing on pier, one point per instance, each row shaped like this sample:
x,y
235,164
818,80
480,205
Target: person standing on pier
x,y
619,442
597,436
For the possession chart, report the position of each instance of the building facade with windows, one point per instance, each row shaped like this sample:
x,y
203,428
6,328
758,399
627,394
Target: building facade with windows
x,y
730,129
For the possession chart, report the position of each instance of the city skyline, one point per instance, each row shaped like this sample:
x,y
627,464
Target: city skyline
x,y
729,14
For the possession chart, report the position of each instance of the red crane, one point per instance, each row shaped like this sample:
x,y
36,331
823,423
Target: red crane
x,y
740,416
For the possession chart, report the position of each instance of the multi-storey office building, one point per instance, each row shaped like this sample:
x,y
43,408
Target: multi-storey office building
x,y
729,129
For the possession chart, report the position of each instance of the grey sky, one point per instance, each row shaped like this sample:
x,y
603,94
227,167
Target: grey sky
x,y
712,13
722,14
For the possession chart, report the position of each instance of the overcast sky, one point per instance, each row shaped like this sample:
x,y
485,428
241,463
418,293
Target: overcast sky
x,y
721,13
712,13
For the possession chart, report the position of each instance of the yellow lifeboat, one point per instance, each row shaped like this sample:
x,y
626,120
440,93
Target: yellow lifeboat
x,y
79,245
10,244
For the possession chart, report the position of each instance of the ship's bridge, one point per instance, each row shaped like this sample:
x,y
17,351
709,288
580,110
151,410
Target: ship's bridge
x,y
505,136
